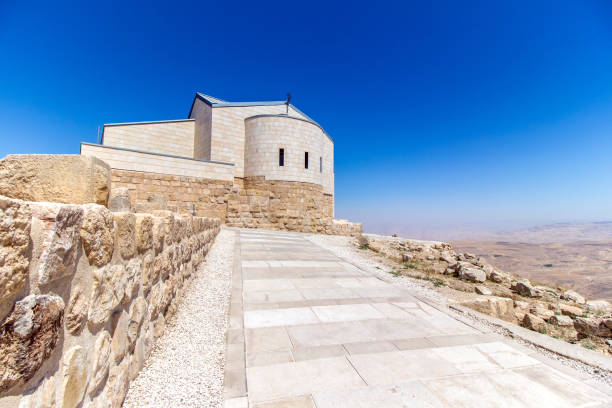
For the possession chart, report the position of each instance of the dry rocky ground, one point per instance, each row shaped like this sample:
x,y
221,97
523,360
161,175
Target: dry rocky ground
x,y
471,281
585,265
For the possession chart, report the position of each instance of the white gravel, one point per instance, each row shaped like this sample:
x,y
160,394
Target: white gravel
x,y
186,366
345,248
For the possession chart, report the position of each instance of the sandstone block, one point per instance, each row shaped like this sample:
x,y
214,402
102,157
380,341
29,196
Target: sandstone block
x,y
15,223
125,234
119,344
573,296
571,311
27,338
534,323
43,397
154,300
147,277
159,234
74,377
100,362
499,307
120,200
138,358
599,306
168,293
144,232
76,312
132,279
562,320
472,274
524,288
117,386
541,312
592,326
61,245
447,257
498,277
97,234
108,290
163,264
60,178
137,314
482,290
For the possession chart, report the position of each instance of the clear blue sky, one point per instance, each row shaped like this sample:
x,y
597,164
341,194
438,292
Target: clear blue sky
x,y
445,114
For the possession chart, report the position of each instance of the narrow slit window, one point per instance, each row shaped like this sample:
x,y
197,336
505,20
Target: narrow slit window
x,y
281,157
305,160
320,165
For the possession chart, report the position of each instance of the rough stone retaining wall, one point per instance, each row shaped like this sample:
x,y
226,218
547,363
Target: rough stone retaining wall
x,y
208,196
252,202
62,178
83,294
285,205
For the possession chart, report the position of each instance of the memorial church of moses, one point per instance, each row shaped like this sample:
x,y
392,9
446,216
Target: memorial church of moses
x,y
253,164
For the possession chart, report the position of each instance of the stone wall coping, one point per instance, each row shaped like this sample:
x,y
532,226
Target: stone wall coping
x,y
283,115
150,122
157,154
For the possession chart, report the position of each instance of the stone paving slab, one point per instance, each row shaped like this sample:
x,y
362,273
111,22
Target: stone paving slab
x,y
309,330
301,378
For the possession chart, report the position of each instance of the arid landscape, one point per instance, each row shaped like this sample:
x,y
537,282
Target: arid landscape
x,y
570,255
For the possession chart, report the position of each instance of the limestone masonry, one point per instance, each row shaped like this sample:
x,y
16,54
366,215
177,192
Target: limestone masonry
x,y
253,164
83,294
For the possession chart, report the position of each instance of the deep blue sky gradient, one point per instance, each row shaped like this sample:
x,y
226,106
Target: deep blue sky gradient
x,y
446,115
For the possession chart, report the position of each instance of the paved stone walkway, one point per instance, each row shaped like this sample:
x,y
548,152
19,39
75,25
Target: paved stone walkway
x,y
308,329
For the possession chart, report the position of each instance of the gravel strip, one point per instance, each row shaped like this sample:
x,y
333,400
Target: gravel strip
x,y
185,368
345,248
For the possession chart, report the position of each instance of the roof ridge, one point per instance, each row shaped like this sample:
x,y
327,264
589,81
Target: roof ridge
x,y
211,98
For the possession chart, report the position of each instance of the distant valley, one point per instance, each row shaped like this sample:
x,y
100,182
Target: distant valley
x,y
568,255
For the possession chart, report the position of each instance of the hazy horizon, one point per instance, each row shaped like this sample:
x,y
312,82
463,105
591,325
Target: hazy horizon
x,y
508,230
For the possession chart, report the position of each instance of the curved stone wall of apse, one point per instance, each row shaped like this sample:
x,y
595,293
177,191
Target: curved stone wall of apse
x,y
266,134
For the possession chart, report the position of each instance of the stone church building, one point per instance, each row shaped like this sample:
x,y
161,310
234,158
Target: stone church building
x,y
253,164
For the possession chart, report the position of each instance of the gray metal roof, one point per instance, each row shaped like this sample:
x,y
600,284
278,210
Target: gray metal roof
x,y
211,99
220,103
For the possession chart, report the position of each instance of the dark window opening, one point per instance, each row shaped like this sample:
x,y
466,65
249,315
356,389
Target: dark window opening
x,y
305,160
320,165
281,157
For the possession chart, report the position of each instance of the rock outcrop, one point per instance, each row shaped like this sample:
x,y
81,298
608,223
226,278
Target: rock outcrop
x,y
561,313
62,178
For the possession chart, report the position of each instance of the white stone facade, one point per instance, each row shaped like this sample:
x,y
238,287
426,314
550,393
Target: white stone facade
x,y
224,140
267,134
171,137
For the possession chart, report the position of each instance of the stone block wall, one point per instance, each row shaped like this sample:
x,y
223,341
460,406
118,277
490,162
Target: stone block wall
x,y
228,132
283,205
252,202
208,196
170,137
64,178
83,294
202,113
